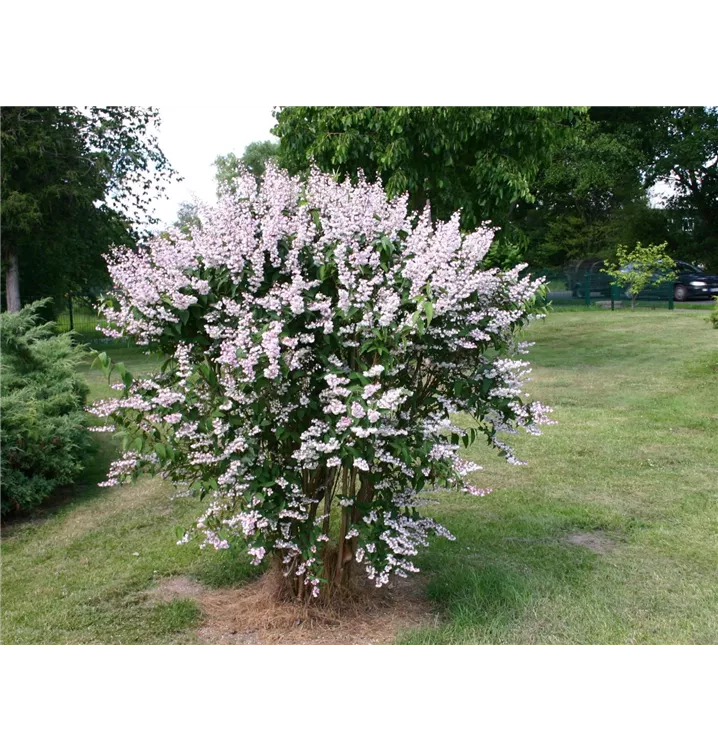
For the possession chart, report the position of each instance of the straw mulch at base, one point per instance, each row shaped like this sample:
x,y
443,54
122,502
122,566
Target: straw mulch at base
x,y
257,613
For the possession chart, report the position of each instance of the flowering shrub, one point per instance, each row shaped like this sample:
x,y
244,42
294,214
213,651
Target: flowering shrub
x,y
317,339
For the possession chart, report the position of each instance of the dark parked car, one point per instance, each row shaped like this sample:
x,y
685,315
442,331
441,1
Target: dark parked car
x,y
692,283
587,273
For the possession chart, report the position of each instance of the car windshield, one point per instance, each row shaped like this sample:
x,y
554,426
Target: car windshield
x,y
688,268
681,267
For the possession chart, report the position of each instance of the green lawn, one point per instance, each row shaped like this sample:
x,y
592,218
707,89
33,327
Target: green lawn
x,y
77,572
631,470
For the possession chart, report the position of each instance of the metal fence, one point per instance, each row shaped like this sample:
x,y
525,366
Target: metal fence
x,y
76,315
80,317
588,286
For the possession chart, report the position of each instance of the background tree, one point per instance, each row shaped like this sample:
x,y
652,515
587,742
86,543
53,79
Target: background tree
x,y
74,182
685,156
483,160
594,194
562,183
677,150
255,158
187,218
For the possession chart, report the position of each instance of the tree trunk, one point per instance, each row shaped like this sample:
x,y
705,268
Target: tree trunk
x,y
12,280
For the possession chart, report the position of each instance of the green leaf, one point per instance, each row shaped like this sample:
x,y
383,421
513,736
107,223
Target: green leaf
x,y
429,310
103,359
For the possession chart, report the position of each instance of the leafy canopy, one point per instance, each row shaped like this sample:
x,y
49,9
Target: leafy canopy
x,y
74,180
588,198
686,157
480,159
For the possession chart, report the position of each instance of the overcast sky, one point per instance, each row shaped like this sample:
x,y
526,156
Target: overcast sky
x,y
193,137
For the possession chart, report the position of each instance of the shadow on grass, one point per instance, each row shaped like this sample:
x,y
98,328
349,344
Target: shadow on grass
x,y
174,618
481,596
227,567
71,495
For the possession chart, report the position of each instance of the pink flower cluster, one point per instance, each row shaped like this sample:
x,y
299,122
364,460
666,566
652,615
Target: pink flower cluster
x,y
318,338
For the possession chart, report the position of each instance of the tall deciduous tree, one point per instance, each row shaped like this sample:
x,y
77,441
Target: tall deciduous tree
x,y
483,160
73,183
678,149
595,193
686,157
255,159
587,198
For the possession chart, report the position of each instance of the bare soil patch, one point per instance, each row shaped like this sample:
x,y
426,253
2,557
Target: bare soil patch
x,y
179,587
596,541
